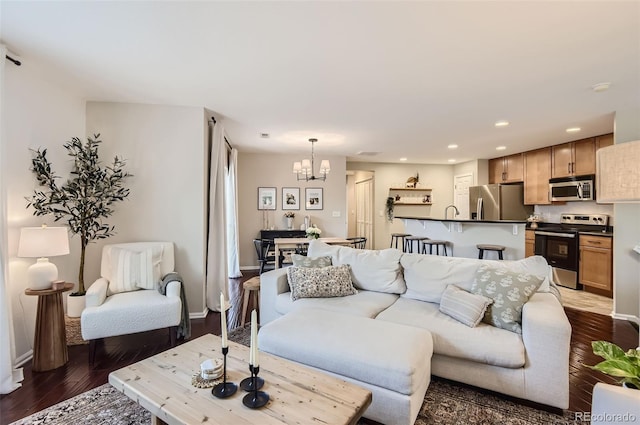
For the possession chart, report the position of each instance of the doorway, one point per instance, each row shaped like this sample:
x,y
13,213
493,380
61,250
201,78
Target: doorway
x,y
360,198
461,186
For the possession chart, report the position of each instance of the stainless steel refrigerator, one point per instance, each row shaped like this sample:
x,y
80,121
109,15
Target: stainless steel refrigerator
x,y
498,202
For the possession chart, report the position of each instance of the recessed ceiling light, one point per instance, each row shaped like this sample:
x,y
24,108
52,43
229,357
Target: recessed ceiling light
x,y
501,148
403,159
452,160
264,135
600,87
502,123
452,146
573,129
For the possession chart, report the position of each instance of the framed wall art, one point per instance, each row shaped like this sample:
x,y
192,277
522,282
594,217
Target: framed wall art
x,y
313,198
290,198
266,198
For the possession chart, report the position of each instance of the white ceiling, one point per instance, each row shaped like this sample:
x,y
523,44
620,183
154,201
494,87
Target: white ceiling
x,y
401,78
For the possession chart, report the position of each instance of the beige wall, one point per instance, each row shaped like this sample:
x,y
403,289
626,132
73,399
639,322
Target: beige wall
x,y
165,151
437,177
626,262
36,114
271,170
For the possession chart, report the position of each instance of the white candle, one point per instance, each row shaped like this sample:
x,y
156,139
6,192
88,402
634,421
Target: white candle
x,y
254,339
223,321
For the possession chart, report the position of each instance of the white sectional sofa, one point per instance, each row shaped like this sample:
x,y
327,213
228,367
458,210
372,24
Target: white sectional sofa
x,y
406,289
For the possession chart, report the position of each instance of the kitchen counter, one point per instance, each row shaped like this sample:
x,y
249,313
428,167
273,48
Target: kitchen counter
x,y
605,234
452,220
463,235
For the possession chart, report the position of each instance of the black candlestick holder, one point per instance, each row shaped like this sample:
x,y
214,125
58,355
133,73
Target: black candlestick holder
x,y
224,389
255,399
247,384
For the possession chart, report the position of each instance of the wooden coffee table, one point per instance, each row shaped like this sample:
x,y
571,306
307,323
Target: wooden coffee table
x,y
162,385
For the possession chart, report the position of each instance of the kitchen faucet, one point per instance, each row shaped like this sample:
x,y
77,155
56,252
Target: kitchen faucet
x,y
446,210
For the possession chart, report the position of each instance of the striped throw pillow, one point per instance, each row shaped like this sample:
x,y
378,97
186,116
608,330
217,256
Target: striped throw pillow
x,y
464,306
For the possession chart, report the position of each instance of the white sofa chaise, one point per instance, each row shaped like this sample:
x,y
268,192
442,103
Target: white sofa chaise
x,y
406,289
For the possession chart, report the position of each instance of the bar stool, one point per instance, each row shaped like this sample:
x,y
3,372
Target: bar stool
x,y
431,243
409,240
398,236
250,286
482,248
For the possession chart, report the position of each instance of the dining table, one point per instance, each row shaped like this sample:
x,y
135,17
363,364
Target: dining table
x,y
292,243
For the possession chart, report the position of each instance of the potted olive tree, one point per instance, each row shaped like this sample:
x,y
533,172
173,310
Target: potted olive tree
x,y
83,201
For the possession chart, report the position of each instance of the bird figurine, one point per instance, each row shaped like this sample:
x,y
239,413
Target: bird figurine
x,y
413,181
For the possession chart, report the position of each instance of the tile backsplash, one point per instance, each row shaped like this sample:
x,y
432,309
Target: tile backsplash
x,y
552,213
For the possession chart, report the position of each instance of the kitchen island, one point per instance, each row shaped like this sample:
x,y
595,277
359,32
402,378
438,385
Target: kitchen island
x,y
463,235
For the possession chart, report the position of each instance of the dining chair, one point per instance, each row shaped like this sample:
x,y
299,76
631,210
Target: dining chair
x,y
358,242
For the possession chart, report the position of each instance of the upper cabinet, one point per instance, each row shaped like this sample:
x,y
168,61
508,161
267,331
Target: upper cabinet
x,y
507,169
604,141
574,158
537,171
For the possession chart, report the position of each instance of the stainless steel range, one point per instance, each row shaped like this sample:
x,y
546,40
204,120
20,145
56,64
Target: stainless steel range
x,y
559,244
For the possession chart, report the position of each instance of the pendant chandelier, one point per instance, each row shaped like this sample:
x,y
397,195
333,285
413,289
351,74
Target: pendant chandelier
x,y
304,170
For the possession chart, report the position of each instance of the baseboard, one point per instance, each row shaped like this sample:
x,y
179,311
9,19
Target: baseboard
x,y
199,315
24,358
249,268
629,317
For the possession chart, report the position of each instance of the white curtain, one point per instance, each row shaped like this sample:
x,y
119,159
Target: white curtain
x,y
217,276
233,247
9,377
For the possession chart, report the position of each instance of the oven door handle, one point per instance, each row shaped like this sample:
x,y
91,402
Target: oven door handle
x,y
561,235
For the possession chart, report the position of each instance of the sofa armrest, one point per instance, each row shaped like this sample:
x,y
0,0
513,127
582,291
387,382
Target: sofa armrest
x,y
546,334
173,288
96,293
272,284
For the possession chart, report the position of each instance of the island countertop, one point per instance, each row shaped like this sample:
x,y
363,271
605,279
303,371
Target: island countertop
x,y
452,220
463,236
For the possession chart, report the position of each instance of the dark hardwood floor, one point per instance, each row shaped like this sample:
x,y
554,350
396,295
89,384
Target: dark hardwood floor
x,y
43,389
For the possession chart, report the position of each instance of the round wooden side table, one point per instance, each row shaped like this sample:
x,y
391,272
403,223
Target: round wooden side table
x,y
50,340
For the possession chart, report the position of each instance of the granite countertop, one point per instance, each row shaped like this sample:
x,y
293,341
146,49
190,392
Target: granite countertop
x,y
444,220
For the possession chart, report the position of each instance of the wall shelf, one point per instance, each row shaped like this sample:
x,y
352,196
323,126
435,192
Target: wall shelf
x,y
410,195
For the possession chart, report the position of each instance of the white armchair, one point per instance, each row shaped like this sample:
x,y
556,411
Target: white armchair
x,y
112,310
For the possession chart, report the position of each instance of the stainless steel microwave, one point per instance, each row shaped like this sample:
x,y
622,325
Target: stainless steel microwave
x,y
577,188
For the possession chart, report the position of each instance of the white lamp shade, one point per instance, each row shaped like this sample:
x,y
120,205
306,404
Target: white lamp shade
x,y
306,165
325,167
618,168
297,167
43,242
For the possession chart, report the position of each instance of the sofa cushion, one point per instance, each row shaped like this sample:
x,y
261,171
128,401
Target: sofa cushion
x,y
372,270
387,355
484,343
306,261
464,306
364,303
320,282
509,291
427,276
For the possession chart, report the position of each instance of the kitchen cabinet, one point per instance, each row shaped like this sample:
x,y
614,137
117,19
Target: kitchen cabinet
x,y
574,158
529,243
596,262
537,172
410,195
604,141
507,169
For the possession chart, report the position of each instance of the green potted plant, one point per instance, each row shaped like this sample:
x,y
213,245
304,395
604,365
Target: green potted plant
x,y
618,363
389,208
84,200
